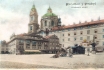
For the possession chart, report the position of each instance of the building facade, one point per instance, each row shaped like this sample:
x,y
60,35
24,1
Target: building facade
x,y
49,20
31,41
76,33
3,47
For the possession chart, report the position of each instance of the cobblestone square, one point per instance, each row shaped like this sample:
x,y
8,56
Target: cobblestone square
x,y
45,61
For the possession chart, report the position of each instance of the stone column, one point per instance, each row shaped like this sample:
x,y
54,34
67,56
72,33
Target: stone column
x,y
36,45
24,45
31,45
42,46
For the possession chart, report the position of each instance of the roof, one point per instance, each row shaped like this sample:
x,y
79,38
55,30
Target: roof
x,y
23,34
49,13
47,37
79,25
33,7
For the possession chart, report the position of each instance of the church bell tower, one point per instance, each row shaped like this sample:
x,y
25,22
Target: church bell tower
x,y
33,25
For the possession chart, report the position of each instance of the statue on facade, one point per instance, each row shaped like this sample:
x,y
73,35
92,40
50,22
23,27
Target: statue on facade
x,y
47,31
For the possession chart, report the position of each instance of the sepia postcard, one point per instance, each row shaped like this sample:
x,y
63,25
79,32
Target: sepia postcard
x,y
52,34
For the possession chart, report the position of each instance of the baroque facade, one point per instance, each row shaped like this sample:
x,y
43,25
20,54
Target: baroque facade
x,y
31,41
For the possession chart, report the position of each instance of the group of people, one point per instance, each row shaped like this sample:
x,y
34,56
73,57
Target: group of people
x,y
77,49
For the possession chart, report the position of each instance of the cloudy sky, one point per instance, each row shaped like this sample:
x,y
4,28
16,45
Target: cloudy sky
x,y
14,14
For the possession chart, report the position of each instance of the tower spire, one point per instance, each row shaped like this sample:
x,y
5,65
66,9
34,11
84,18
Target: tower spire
x,y
49,10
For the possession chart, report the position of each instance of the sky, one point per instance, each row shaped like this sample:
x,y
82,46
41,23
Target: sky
x,y
14,14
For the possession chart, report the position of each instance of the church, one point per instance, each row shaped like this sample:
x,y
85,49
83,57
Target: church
x,y
31,41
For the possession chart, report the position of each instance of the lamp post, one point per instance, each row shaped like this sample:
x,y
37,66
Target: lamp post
x,y
88,51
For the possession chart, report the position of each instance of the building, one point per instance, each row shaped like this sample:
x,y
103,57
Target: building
x,y
72,34
49,20
3,47
51,36
53,44
32,41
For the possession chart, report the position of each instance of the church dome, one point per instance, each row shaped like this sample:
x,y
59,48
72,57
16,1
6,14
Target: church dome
x,y
49,13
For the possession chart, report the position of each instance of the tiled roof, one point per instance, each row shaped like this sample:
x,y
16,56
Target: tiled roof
x,y
48,36
79,25
21,34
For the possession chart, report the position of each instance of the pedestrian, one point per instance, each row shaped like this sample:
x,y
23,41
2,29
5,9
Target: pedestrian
x,y
93,47
70,52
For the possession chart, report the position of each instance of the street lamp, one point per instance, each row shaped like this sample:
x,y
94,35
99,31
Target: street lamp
x,y
88,49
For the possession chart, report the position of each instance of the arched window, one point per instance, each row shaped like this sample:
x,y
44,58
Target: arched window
x,y
52,23
30,27
45,23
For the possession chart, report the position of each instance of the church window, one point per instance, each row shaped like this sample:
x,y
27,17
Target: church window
x,y
27,46
27,42
34,43
21,41
45,23
30,27
52,23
